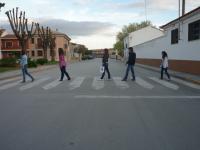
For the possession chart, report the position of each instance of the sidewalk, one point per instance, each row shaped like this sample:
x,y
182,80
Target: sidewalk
x,y
180,75
16,73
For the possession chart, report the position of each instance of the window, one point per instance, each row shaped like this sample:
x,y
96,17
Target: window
x,y
39,43
39,53
174,36
33,53
32,40
65,45
9,44
194,31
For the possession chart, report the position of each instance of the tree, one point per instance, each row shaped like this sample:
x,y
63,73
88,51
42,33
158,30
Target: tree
x,y
52,45
44,35
2,5
19,25
119,46
80,49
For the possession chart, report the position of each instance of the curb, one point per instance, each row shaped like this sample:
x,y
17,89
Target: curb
x,y
171,74
33,71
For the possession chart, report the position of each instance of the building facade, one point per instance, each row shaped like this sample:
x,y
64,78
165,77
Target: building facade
x,y
10,46
181,40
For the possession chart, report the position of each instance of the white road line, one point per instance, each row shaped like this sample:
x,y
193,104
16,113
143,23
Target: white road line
x,y
143,83
195,86
165,83
9,85
52,84
76,83
32,84
133,97
119,83
97,84
8,80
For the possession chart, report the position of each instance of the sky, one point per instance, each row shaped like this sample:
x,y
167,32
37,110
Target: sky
x,y
94,23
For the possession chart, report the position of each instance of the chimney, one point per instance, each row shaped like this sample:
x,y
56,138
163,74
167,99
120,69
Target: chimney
x,y
183,7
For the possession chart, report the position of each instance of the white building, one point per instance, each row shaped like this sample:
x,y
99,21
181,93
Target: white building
x,y
183,51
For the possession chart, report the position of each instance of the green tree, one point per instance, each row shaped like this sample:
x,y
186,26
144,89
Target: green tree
x,y
80,49
119,46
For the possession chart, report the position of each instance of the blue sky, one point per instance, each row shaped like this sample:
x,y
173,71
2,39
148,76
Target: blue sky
x,y
94,23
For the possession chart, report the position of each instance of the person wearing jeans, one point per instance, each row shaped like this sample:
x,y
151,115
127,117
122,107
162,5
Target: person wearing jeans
x,y
130,64
24,67
62,65
105,63
164,65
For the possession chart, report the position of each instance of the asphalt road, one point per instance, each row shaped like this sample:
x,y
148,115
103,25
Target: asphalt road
x,y
88,114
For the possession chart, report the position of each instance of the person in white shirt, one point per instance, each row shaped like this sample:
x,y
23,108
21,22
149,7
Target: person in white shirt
x,y
24,66
164,65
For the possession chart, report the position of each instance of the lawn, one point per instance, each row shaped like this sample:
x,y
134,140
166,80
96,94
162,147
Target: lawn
x,y
4,69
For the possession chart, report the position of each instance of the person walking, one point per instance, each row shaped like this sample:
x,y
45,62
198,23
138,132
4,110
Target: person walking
x,y
164,65
105,63
24,67
62,64
130,64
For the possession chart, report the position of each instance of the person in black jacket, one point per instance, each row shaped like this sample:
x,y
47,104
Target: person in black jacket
x,y
130,64
105,63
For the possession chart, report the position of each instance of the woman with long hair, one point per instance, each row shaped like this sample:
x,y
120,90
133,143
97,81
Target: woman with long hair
x,y
164,65
62,64
105,63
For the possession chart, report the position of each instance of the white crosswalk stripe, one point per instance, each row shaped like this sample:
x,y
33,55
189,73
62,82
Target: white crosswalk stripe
x,y
97,84
165,83
33,84
9,85
143,83
52,84
195,86
8,80
119,83
76,83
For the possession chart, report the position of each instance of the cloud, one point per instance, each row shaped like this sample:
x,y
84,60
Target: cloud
x,y
82,2
74,28
122,6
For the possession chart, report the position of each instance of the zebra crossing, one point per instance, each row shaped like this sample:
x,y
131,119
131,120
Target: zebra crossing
x,y
48,83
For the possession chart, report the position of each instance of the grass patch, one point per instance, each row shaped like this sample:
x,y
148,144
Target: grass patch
x,y
5,69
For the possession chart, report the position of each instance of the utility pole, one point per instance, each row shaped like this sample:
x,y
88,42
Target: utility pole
x,y
145,1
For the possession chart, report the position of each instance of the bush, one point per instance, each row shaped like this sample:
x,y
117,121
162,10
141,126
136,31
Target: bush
x,y
8,62
42,61
85,57
32,63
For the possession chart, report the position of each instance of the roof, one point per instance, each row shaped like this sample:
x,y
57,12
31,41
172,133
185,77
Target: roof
x,y
184,17
9,36
60,33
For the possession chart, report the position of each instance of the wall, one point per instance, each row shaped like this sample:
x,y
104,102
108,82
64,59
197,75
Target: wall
x,y
184,56
143,35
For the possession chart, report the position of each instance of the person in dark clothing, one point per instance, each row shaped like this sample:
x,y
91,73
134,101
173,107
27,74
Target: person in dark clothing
x,y
130,64
105,63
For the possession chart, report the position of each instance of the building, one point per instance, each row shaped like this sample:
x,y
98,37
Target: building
x,y
98,53
10,46
180,39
